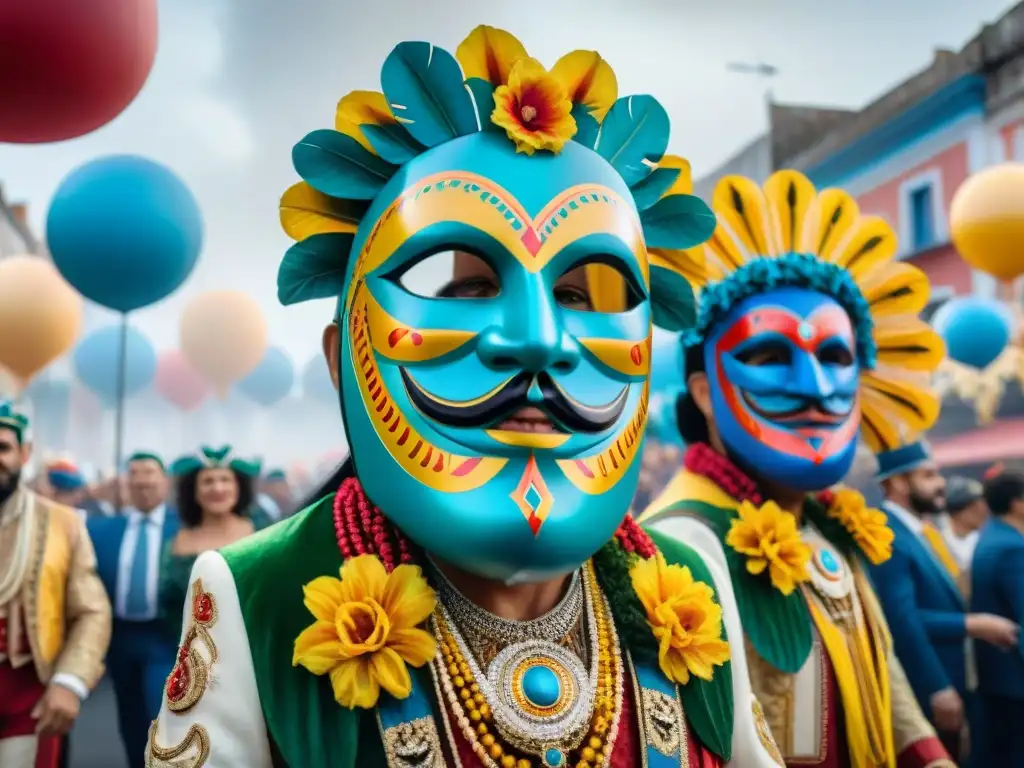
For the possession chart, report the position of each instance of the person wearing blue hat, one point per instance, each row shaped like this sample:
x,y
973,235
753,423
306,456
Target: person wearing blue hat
x,y
920,594
997,578
128,550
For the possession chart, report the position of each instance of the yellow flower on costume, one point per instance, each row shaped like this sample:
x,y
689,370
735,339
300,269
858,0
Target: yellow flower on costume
x,y
534,109
869,527
768,536
685,619
367,630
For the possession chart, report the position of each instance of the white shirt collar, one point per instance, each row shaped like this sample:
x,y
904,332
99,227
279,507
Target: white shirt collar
x,y
156,517
909,519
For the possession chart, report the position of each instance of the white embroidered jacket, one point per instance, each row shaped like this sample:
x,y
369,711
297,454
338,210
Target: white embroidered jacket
x,y
212,718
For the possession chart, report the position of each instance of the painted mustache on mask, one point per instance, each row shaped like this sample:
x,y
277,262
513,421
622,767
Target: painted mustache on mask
x,y
568,414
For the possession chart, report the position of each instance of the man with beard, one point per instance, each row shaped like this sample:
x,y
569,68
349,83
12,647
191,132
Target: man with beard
x,y
496,606
920,593
807,335
54,616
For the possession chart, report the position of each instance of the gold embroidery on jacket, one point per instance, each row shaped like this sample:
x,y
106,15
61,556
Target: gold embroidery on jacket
x,y
414,744
192,674
196,741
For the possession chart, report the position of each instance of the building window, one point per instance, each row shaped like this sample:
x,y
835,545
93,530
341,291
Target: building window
x,y
922,218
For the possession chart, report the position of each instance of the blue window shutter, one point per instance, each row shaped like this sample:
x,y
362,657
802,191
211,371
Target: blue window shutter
x,y
922,217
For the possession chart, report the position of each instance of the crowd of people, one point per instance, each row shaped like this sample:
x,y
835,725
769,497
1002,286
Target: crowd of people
x,y
478,584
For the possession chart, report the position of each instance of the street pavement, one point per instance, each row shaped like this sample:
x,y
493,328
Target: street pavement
x,y
95,742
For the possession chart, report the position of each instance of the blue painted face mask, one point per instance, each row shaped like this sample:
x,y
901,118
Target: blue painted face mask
x,y
809,331
497,423
784,381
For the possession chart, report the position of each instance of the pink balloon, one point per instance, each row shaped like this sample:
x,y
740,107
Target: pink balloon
x,y
179,382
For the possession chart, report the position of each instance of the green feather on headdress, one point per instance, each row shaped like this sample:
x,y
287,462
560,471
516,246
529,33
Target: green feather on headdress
x,y
13,420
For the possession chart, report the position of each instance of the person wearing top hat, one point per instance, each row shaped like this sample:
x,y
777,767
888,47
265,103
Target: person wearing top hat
x,y
919,591
128,550
966,513
997,579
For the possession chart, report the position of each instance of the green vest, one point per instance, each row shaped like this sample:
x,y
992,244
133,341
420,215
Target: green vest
x,y
307,728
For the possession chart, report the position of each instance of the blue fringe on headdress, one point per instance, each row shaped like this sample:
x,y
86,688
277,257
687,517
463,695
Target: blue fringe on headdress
x,y
794,270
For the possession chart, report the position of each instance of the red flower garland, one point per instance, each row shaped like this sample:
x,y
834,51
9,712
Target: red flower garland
x,y
702,459
362,529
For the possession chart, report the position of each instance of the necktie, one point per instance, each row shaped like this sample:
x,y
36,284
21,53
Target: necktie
x,y
940,549
137,604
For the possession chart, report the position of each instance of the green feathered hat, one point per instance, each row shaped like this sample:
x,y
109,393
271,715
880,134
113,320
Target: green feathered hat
x,y
13,420
208,458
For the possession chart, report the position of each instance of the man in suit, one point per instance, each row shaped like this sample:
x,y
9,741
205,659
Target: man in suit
x,y
997,585
54,615
129,548
919,591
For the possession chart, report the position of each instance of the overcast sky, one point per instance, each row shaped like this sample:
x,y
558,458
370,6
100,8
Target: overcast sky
x,y
237,82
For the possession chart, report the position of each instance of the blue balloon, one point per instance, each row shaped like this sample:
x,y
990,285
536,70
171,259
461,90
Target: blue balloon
x,y
124,231
316,381
272,380
976,331
97,359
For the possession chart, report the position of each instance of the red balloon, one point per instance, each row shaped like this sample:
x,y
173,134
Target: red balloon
x,y
68,67
179,382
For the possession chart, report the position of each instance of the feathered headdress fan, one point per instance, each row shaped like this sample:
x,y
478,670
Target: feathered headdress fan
x,y
788,234
491,84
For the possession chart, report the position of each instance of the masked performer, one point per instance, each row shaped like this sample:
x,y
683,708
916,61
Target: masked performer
x,y
496,606
807,335
54,615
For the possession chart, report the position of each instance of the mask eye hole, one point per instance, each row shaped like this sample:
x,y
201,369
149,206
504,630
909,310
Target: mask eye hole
x,y
835,353
597,284
449,274
767,353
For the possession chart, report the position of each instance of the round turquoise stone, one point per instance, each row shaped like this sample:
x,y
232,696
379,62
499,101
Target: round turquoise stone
x,y
541,687
554,758
828,562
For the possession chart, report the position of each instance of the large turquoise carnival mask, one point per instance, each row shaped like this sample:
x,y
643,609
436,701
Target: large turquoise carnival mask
x,y
532,176
809,332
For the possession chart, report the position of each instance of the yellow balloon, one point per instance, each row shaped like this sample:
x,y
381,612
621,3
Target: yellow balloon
x,y
224,335
40,315
986,220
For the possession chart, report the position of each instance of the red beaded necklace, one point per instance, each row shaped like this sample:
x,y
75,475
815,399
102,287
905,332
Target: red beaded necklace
x,y
362,529
702,459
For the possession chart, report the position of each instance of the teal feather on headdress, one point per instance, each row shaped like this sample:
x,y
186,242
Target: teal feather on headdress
x,y
431,97
13,420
